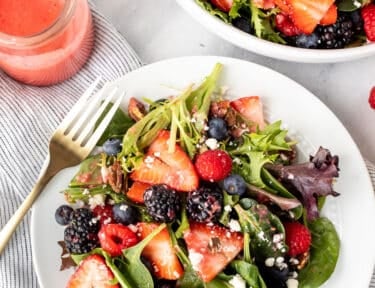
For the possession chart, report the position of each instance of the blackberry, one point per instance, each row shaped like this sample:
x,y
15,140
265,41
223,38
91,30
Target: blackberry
x,y
79,242
80,235
162,203
340,34
83,220
205,204
243,24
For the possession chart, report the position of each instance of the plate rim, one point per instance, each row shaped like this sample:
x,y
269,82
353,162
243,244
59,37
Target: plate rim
x,y
224,60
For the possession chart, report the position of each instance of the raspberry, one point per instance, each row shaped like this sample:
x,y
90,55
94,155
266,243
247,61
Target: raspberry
x,y
114,238
368,15
298,238
371,98
213,165
103,214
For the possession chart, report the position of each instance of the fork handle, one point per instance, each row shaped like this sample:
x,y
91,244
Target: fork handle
x,y
6,233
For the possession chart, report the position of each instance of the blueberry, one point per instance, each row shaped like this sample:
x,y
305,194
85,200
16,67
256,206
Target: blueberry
x,y
274,276
125,214
234,185
112,146
307,41
63,214
217,128
243,24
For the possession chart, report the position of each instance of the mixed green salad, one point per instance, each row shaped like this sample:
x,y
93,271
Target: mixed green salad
x,y
197,190
313,24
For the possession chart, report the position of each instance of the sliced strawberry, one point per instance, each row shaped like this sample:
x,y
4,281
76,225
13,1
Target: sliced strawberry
x,y
114,238
159,166
264,4
251,108
136,191
330,17
283,6
92,272
223,5
160,252
104,214
307,14
211,248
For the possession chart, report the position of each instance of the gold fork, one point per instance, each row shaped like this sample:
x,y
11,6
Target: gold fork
x,y
70,144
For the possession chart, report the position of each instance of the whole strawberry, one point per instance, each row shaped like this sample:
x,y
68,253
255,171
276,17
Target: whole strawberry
x,y
213,165
368,15
297,237
371,98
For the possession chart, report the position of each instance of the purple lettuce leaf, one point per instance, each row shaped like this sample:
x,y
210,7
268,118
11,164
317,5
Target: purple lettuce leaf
x,y
311,179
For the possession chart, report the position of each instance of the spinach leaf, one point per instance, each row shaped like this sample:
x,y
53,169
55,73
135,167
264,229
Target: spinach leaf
x,y
261,225
324,253
218,283
118,126
132,266
350,5
249,272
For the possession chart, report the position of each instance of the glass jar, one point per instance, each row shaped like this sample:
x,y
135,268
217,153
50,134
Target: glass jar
x,y
47,41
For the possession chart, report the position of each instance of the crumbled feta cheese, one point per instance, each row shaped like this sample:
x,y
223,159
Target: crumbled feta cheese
x,y
234,225
95,200
157,154
290,176
107,221
294,275
237,281
149,159
212,143
357,4
294,261
237,160
227,208
195,259
277,238
279,260
124,207
86,191
292,283
269,262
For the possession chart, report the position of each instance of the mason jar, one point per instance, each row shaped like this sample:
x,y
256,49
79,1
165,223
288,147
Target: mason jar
x,y
43,42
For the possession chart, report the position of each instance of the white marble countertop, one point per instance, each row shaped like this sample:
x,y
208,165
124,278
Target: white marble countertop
x,y
161,29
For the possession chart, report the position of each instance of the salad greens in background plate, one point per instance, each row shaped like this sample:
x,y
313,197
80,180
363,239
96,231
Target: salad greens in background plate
x,y
216,25
308,121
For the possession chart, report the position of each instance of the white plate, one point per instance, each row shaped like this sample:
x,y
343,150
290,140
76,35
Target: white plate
x,y
268,48
307,119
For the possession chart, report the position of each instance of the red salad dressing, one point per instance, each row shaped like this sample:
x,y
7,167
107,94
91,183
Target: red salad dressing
x,y
57,45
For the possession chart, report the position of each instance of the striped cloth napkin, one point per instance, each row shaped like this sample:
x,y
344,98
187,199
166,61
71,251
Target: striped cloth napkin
x,y
28,116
